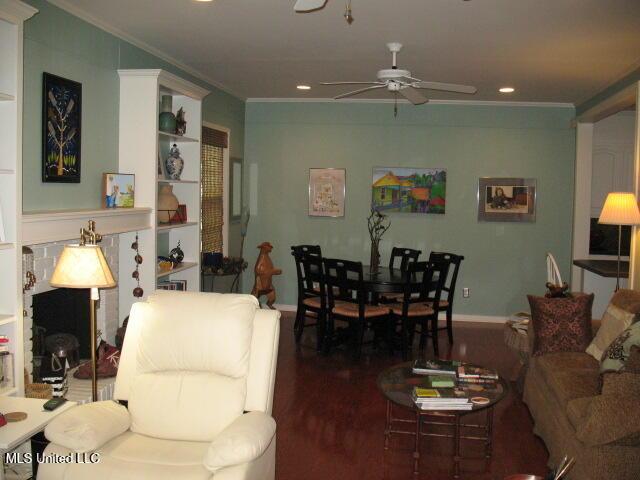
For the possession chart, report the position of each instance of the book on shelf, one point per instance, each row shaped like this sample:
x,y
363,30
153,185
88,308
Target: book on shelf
x,y
436,367
468,371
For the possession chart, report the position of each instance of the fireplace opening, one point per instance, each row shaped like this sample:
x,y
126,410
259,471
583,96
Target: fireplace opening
x,y
59,311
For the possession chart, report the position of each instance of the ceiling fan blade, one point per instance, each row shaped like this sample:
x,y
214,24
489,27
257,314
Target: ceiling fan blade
x,y
309,5
413,95
446,87
352,83
358,92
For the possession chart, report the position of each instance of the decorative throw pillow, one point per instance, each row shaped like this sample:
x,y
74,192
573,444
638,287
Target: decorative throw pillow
x,y
614,321
616,355
561,324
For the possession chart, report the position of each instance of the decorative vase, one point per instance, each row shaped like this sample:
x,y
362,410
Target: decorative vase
x,y
167,118
167,203
374,262
175,163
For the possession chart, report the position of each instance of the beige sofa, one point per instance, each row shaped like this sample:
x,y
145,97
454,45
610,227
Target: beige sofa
x,y
574,416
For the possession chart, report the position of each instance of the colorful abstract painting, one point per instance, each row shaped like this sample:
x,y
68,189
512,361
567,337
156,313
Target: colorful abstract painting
x,y
409,190
61,118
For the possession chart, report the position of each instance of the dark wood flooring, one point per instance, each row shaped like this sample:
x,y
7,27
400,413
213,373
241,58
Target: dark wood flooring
x,y
331,416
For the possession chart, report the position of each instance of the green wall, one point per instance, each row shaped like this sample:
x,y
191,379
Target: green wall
x,y
504,261
59,43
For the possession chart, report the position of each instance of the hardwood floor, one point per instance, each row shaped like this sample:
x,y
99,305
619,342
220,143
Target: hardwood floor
x,y
331,416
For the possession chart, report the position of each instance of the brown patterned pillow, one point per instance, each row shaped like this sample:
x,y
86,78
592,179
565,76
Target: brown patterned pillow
x,y
561,324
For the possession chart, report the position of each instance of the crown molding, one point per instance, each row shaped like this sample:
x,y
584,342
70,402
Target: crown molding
x,y
169,81
403,101
87,17
15,11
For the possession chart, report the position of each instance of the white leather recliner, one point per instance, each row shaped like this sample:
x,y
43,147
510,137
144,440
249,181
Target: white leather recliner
x,y
198,372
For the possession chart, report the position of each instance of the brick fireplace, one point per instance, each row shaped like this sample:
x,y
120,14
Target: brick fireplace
x,y
45,257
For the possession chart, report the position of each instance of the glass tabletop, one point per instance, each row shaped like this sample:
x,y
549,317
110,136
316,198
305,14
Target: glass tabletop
x,y
396,384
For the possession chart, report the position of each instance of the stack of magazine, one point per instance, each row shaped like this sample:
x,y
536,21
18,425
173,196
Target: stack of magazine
x,y
436,367
441,399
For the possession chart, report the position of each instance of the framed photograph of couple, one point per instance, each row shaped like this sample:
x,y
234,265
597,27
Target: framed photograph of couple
x,y
506,199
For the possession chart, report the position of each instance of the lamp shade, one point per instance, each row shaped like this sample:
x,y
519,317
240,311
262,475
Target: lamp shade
x,y
82,266
620,208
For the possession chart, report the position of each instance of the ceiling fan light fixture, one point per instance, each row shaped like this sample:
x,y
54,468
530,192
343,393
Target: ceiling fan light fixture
x,y
507,90
303,87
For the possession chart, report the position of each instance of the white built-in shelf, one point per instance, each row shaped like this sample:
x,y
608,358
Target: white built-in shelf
x,y
162,228
183,266
8,391
5,97
6,319
6,171
6,245
166,180
175,138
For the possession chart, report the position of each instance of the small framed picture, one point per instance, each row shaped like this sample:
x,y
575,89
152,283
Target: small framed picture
x,y
118,190
506,199
327,191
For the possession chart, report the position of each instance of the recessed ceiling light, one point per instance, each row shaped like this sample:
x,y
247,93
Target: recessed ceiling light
x,y
507,90
303,87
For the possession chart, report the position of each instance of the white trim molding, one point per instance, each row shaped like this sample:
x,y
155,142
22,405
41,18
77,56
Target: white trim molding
x,y
490,103
59,225
96,22
283,307
168,81
16,12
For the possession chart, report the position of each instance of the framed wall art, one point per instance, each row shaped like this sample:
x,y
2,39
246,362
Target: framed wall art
x,y
327,190
409,190
61,129
118,190
506,199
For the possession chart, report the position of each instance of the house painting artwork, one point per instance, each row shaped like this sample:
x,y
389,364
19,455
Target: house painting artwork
x,y
409,190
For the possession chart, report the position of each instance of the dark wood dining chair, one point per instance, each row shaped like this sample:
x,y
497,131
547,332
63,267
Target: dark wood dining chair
x,y
400,257
312,295
348,302
306,250
404,256
449,288
419,307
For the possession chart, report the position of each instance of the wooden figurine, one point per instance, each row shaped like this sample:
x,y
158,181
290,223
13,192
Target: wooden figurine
x,y
264,270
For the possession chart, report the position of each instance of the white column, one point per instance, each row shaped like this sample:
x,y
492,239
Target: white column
x,y
634,257
582,199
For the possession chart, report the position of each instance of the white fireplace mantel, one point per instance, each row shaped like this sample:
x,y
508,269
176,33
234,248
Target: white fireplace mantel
x,y
59,225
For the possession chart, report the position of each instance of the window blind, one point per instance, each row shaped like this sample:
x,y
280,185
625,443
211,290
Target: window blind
x,y
211,188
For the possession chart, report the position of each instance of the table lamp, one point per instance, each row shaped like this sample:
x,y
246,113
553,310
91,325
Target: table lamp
x,y
84,266
620,208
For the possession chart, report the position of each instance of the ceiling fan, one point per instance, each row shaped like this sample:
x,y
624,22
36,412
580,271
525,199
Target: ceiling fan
x,y
401,82
309,5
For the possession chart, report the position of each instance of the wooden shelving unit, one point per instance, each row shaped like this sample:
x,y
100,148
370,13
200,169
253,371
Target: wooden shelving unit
x,y
12,16
142,146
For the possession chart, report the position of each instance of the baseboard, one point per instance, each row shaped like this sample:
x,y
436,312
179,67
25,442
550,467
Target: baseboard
x,y
456,317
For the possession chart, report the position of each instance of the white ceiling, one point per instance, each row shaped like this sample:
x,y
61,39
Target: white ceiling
x,y
549,50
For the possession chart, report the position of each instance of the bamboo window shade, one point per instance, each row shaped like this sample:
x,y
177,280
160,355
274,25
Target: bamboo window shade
x,y
211,177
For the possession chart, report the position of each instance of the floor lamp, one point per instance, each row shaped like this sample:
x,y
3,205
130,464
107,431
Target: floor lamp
x,y
84,266
620,208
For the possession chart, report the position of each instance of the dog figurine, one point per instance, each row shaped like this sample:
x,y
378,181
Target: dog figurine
x,y
264,271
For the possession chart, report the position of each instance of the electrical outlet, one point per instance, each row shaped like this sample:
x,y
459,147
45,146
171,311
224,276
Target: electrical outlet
x,y
466,292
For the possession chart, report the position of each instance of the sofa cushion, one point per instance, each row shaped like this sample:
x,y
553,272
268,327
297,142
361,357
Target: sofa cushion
x,y
617,354
192,361
577,409
621,383
614,321
561,324
628,300
611,419
569,375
